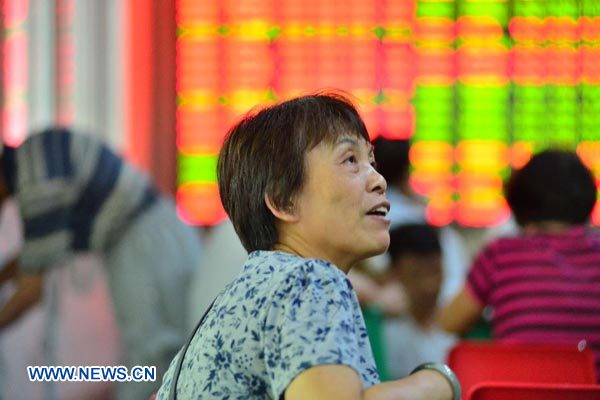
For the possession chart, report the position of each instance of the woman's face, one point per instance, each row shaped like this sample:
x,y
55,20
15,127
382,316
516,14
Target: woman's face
x,y
342,207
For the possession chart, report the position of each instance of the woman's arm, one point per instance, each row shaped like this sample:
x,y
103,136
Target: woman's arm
x,y
28,291
460,314
332,382
8,271
423,385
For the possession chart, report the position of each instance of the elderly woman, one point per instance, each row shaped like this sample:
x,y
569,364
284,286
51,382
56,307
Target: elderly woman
x,y
298,181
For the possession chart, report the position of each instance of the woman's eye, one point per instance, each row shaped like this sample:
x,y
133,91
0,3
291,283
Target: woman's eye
x,y
374,164
351,159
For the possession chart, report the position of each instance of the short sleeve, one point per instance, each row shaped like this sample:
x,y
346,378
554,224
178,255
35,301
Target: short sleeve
x,y
313,320
45,210
480,278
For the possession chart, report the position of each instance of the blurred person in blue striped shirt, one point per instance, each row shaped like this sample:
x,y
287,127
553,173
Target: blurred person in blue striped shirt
x,y
75,194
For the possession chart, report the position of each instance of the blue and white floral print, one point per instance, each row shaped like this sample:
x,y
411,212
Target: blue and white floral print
x,y
281,316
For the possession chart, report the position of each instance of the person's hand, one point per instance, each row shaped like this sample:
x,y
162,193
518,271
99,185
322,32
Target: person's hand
x,y
392,299
365,287
8,271
27,293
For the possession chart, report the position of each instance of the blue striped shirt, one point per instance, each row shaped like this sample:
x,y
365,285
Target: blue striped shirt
x,y
74,194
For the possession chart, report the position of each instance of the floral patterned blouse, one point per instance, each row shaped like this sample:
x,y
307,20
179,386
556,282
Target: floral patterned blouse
x,y
282,315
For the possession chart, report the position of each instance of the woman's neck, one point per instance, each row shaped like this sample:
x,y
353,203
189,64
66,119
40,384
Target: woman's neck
x,y
303,250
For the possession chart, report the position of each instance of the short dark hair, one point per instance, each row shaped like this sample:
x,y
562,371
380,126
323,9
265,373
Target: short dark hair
x,y
265,153
554,185
392,159
419,239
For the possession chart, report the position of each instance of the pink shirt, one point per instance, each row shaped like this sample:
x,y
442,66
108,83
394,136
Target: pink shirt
x,y
542,288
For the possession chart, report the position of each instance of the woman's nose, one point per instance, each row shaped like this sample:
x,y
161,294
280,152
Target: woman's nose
x,y
377,182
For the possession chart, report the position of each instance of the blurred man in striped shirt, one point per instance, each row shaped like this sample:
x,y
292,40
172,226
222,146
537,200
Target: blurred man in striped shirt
x,y
75,194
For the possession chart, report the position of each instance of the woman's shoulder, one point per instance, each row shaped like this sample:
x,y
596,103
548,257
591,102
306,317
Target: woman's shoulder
x,y
282,271
278,262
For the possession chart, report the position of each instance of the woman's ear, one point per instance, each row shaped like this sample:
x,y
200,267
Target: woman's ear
x,y
286,215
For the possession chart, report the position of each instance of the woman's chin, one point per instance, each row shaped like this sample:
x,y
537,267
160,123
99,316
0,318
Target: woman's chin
x,y
379,247
384,241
